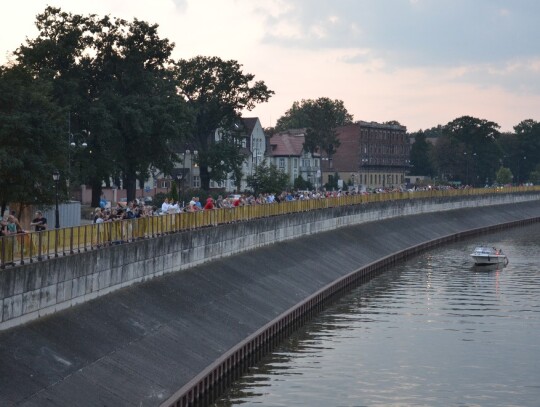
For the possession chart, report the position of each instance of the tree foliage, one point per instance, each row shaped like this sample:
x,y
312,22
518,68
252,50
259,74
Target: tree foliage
x,y
112,75
300,184
468,151
320,117
268,179
217,92
527,154
30,144
420,155
504,176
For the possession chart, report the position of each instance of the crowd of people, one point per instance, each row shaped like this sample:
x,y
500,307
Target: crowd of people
x,y
137,209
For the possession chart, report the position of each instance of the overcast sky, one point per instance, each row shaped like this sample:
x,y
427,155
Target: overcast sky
x,y
421,62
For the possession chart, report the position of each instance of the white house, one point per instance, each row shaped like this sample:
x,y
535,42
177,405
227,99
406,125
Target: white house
x,y
288,154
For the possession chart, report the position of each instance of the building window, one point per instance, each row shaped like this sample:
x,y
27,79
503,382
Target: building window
x,y
196,181
295,162
282,163
306,162
165,184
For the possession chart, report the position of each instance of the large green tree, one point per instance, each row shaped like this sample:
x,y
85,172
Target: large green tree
x,y
473,141
268,178
30,143
111,76
217,92
526,156
420,155
137,88
320,117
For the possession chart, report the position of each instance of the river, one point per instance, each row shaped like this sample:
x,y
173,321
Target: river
x,y
433,331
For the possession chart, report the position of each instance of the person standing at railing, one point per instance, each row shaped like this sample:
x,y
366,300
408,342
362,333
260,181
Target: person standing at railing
x,y
39,222
11,229
209,203
165,206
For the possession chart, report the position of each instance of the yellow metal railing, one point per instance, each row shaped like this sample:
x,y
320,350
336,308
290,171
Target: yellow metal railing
x,y
38,246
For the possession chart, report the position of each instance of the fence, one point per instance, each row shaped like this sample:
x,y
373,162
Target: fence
x,y
29,247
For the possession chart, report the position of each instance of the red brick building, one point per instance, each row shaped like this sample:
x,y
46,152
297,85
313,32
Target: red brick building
x,y
370,155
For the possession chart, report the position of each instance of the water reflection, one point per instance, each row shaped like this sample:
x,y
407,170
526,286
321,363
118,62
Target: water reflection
x,y
435,331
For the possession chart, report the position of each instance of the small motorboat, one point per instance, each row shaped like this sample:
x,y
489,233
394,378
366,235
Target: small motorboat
x,y
485,255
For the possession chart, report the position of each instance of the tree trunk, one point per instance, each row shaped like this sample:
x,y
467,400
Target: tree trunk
x,y
205,177
96,192
131,187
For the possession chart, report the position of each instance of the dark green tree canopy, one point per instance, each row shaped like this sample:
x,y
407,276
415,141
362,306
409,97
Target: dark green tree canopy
x,y
420,155
114,77
30,147
217,92
468,150
320,117
527,153
268,179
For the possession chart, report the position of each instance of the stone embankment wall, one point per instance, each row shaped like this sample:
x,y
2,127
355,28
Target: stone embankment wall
x,y
40,288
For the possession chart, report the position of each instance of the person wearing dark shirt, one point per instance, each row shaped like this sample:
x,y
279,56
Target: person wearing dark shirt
x,y
39,222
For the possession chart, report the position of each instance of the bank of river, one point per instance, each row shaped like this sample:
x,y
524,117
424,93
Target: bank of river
x,y
433,331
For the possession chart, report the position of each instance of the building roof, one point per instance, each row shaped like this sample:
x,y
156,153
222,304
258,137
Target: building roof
x,y
287,143
249,124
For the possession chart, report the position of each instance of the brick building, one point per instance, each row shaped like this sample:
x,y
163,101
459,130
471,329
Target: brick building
x,y
371,155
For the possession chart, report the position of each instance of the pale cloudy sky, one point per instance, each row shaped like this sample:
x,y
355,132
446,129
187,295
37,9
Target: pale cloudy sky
x,y
421,62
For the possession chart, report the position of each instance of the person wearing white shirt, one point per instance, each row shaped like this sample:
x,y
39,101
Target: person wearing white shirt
x,y
165,206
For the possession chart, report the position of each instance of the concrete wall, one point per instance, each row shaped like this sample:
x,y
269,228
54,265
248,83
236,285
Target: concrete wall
x,y
33,290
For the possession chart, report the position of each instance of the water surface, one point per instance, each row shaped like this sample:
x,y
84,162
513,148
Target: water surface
x,y
434,331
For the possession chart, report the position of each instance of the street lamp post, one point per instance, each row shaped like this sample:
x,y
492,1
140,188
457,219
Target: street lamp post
x,y
56,178
365,161
191,165
72,145
179,180
518,174
184,170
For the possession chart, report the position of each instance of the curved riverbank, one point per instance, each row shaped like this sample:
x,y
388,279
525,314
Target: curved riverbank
x,y
139,345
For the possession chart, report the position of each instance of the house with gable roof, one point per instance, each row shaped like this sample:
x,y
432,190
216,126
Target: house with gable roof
x,y
286,151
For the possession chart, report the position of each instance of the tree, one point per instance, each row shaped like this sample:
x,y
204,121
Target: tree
x,y
302,185
217,92
320,118
268,179
30,145
420,154
174,192
448,160
332,183
504,176
534,176
527,154
474,141
137,88
113,76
